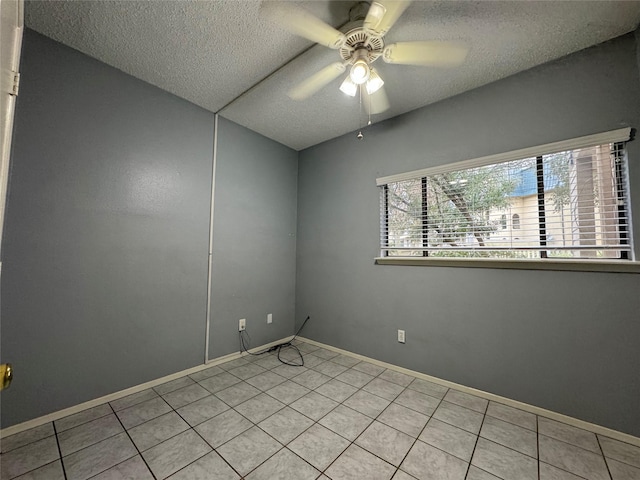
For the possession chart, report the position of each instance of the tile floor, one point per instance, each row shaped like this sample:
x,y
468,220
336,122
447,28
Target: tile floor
x,y
335,418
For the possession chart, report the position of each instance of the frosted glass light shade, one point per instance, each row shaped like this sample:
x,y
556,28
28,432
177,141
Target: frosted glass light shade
x,y
374,83
349,87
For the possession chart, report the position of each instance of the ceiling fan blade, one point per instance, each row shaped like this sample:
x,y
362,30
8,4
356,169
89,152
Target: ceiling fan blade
x,y
316,81
376,102
427,53
299,21
383,14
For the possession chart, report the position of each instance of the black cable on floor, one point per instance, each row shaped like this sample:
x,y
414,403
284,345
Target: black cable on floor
x,y
300,364
245,347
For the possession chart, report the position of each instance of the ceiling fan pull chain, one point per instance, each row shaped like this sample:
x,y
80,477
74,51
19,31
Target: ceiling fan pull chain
x,y
360,136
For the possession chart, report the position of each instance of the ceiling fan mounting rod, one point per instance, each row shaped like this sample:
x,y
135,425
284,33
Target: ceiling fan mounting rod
x,y
359,11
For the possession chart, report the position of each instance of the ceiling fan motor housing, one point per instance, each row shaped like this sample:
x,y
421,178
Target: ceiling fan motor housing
x,y
360,44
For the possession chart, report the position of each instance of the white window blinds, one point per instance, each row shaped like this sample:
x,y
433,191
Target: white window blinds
x,y
569,203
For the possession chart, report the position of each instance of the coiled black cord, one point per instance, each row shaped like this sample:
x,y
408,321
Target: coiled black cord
x,y
244,346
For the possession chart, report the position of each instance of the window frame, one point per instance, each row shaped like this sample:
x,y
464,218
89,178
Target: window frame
x,y
618,136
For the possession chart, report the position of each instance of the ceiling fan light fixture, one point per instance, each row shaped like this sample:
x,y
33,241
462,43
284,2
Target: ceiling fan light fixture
x,y
349,87
360,72
374,83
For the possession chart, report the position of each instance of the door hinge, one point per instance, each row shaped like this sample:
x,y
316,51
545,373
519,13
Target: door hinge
x,y
15,84
11,82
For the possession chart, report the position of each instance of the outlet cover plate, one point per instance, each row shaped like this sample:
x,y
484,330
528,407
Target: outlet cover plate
x,y
242,324
401,336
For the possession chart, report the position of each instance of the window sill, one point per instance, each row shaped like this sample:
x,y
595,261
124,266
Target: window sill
x,y
610,266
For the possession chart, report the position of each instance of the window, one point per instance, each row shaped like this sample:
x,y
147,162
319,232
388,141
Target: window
x,y
565,200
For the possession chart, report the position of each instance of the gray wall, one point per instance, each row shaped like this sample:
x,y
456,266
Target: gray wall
x,y
560,340
254,239
107,232
106,237
637,37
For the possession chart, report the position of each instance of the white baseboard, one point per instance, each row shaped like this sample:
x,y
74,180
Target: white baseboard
x,y
592,427
36,422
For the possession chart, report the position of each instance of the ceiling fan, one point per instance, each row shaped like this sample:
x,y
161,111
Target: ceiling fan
x,y
360,44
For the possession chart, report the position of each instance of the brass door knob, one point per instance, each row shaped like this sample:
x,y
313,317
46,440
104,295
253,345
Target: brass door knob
x,y
6,375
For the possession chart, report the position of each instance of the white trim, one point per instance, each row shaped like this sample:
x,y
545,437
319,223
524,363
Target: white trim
x,y
12,27
608,266
36,422
625,175
592,427
620,135
210,254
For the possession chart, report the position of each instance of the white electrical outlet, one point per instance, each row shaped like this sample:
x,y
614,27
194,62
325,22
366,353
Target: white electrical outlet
x,y
269,317
401,336
242,324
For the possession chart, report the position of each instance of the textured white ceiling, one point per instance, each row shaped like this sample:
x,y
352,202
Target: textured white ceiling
x,y
211,52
